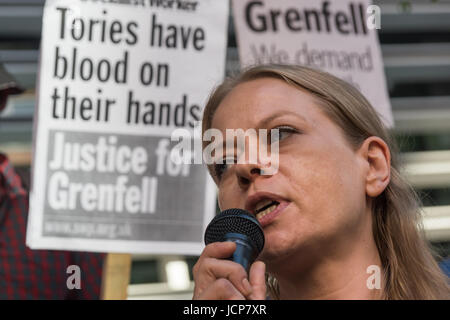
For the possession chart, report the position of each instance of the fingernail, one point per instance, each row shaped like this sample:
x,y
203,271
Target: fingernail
x,y
247,286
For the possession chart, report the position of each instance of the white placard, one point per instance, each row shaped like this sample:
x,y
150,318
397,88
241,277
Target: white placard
x,y
116,78
333,36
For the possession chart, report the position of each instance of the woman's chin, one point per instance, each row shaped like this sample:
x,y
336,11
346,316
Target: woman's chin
x,y
287,253
272,254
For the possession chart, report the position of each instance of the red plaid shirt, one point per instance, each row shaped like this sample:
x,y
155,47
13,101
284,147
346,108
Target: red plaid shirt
x,y
36,274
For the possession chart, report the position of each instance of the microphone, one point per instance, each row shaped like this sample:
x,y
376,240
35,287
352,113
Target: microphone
x,y
241,227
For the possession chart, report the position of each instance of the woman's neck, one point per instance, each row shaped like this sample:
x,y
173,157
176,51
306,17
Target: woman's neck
x,y
334,281
338,272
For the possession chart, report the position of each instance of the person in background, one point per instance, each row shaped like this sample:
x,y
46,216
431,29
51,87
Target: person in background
x,y
35,274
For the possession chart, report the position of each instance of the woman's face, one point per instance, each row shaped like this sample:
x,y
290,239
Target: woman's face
x,y
319,185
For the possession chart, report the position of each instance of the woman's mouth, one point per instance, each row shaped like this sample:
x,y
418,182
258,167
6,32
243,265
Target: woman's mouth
x,y
266,207
268,211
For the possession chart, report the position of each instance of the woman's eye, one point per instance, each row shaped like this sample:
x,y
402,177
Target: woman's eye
x,y
283,132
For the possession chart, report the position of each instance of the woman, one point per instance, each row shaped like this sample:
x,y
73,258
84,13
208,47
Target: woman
x,y
342,210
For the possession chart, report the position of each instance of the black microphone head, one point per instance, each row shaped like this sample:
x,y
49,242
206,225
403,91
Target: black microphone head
x,y
235,221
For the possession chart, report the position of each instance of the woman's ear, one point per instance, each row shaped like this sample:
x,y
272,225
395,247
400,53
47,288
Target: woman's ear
x,y
376,152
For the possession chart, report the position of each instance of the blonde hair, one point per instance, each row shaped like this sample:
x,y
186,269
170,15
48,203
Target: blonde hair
x,y
410,270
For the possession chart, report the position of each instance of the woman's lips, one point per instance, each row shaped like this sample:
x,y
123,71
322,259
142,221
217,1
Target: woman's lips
x,y
271,216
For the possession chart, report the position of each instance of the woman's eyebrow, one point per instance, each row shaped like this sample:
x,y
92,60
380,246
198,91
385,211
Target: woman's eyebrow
x,y
264,122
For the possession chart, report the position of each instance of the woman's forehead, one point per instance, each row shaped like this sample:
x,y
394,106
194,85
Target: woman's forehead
x,y
257,101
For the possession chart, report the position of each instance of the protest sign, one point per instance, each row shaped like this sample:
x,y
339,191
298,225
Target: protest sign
x,y
335,36
116,78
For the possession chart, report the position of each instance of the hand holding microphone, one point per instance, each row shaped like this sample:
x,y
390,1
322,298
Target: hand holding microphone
x,y
225,269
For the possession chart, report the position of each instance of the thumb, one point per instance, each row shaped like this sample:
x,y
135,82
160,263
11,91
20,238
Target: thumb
x,y
257,277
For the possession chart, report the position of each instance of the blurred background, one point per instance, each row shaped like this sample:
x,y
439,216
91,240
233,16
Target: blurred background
x,y
415,43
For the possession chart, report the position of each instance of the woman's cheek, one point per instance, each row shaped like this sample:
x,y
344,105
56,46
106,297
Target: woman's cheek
x,y
226,196
315,188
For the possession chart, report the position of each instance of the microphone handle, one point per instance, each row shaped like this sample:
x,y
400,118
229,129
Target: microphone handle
x,y
244,253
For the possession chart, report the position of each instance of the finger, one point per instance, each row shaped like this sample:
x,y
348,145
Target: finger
x,y
220,250
258,281
221,289
212,269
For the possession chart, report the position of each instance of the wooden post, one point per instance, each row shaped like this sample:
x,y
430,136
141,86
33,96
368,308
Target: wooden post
x,y
116,276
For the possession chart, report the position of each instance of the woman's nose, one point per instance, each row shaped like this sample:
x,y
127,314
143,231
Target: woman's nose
x,y
246,173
